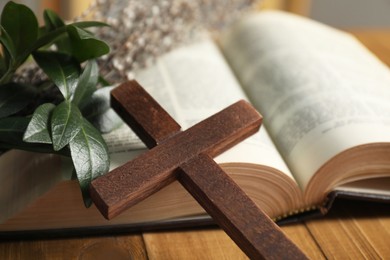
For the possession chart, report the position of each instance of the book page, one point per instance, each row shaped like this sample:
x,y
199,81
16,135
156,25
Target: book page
x,y
319,90
192,83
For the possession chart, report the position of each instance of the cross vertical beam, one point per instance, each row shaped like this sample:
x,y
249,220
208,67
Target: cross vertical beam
x,y
253,231
146,117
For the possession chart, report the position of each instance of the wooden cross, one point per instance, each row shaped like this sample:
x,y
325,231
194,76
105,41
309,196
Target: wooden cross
x,y
187,157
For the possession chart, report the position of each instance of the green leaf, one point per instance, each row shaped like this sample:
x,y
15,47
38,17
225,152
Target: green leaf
x,y
87,24
84,45
38,128
7,57
87,82
62,69
90,157
47,39
53,22
14,97
99,112
21,25
11,137
65,124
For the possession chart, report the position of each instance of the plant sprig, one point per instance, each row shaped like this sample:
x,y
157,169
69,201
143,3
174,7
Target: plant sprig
x,y
66,53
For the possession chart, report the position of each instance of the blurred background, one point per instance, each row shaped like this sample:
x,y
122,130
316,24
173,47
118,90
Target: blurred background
x,y
338,13
67,8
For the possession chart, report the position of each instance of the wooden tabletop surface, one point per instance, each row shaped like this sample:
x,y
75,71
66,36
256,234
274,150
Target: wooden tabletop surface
x,y
351,230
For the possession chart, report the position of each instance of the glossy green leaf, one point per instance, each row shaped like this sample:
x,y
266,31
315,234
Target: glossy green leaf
x,y
53,22
14,97
11,136
62,69
39,126
84,45
21,25
66,122
99,112
87,82
7,57
52,36
90,157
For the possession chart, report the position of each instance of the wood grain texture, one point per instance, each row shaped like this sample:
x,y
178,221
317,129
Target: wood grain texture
x,y
313,237
361,231
191,245
148,173
301,236
255,233
216,244
94,248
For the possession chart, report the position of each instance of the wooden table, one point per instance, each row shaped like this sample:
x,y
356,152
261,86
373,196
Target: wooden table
x,y
352,229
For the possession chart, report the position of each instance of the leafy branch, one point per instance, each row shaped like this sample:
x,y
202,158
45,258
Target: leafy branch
x,y
53,116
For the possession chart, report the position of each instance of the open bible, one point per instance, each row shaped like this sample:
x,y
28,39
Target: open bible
x,y
325,103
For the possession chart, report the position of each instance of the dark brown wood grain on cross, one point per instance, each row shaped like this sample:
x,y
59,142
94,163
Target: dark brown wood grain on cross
x,y
187,157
